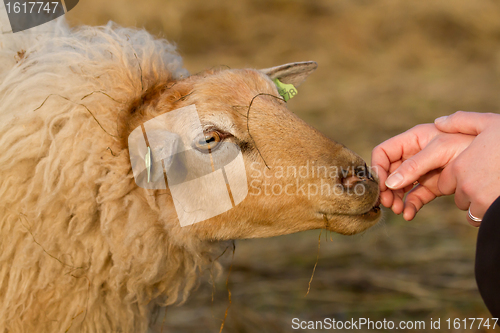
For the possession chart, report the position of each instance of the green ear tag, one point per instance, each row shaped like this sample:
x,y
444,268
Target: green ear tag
x,y
286,91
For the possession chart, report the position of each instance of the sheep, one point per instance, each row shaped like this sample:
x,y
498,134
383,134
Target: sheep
x,y
83,247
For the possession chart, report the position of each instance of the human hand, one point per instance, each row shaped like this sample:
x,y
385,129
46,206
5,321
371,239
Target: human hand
x,y
475,174
419,154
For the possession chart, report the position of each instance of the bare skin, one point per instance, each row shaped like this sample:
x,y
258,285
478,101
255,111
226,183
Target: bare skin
x,y
456,154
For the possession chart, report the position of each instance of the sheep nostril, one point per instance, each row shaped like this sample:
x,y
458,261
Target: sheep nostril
x,y
364,173
351,181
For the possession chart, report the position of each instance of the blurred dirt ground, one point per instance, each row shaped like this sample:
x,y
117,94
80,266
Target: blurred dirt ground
x,y
384,66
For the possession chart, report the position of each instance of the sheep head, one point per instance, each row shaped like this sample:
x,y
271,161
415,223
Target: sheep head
x,y
296,178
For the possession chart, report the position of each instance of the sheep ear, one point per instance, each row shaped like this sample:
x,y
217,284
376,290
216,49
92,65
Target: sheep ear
x,y
294,73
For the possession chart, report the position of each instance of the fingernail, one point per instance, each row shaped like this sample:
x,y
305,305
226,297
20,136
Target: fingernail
x,y
440,119
394,180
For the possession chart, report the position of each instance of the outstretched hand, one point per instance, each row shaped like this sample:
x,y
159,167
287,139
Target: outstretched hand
x,y
476,172
419,154
457,154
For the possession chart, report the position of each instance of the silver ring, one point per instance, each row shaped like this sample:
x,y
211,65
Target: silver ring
x,y
473,218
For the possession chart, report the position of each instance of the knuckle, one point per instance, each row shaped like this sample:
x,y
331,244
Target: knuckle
x,y
444,188
441,139
374,171
377,151
492,117
482,199
415,200
468,188
456,117
380,151
459,202
419,128
457,166
411,166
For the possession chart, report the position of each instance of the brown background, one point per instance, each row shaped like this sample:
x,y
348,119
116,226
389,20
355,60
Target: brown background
x,y
384,66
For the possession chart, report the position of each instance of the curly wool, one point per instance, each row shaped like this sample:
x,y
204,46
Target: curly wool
x,y
82,247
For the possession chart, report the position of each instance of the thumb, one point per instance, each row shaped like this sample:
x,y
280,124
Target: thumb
x,y
436,155
471,123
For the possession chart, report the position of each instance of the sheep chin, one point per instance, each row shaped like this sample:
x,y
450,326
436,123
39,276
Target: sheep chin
x,y
352,224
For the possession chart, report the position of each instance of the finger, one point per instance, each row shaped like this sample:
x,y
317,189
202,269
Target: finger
x,y
380,165
381,175
397,204
422,194
387,195
447,182
462,200
415,200
434,156
387,198
394,166
471,123
399,148
476,212
409,187
398,199
377,171
430,180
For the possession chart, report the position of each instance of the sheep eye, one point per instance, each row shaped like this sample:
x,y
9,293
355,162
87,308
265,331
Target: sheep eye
x,y
207,142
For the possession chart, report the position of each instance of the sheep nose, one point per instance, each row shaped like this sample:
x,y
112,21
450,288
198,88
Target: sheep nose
x,y
359,175
351,181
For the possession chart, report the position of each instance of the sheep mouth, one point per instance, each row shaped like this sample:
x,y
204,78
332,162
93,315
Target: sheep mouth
x,y
376,207
373,212
369,216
